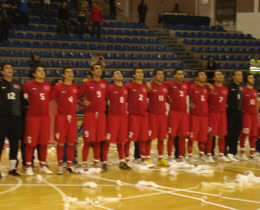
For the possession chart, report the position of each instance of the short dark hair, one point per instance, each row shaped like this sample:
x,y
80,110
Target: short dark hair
x,y
234,72
134,71
176,70
246,77
4,64
113,72
96,64
35,67
156,70
90,74
198,72
66,67
57,80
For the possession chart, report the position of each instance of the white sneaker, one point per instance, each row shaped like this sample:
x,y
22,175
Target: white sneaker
x,y
190,159
232,158
60,170
203,158
243,157
254,157
29,171
223,158
45,170
210,159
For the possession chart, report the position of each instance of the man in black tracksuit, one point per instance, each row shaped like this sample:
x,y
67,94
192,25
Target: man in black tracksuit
x,y
10,114
234,114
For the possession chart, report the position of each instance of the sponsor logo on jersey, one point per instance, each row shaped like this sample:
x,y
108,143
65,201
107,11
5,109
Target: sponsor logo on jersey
x,y
3,87
16,86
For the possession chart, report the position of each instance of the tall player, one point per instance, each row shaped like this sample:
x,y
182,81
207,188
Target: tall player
x,y
66,120
198,114
94,123
178,119
217,102
116,119
249,118
11,99
137,118
37,128
157,115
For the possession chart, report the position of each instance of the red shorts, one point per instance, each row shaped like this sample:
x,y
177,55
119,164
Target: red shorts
x,y
249,125
178,124
217,124
157,126
116,129
198,128
94,126
37,130
66,128
137,128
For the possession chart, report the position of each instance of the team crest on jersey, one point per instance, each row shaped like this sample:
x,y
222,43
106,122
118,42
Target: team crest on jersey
x,y
46,87
241,88
165,90
16,86
205,91
74,90
103,86
184,86
224,92
125,92
144,90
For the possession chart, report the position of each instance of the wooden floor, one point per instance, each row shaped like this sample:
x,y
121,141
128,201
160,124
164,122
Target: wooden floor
x,y
185,191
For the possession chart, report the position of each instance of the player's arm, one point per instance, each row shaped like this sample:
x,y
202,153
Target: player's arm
x,y
210,86
54,92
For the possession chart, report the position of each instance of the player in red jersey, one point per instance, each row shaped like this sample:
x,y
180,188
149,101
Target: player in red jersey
x,y
66,120
37,129
138,118
157,115
178,119
198,93
217,102
249,118
94,123
116,119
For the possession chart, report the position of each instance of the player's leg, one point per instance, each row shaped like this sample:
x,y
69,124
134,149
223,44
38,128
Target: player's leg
x,y
253,138
3,134
202,138
246,131
143,138
14,134
44,137
183,134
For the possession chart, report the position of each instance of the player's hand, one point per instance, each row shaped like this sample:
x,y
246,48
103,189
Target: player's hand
x,y
192,105
148,84
86,102
210,86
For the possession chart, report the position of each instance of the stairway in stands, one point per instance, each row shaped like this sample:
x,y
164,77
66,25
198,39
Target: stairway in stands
x,y
185,55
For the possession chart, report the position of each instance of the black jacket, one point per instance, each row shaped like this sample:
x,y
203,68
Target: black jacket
x,y
234,100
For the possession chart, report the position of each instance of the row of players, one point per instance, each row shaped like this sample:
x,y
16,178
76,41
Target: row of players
x,y
136,112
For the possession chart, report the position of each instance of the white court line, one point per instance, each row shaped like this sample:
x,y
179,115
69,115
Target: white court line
x,y
167,192
64,197
256,169
58,185
20,182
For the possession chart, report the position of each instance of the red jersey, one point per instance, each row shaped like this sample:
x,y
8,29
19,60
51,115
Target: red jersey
x,y
249,101
199,97
96,15
137,98
38,97
95,93
157,98
217,100
66,96
117,95
178,95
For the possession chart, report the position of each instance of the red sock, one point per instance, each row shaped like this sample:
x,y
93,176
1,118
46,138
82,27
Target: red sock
x,y
142,149
60,154
202,147
148,147
221,144
190,145
252,142
209,145
28,155
70,154
127,149
170,146
96,151
105,151
181,146
120,151
43,154
160,147
85,151
242,144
